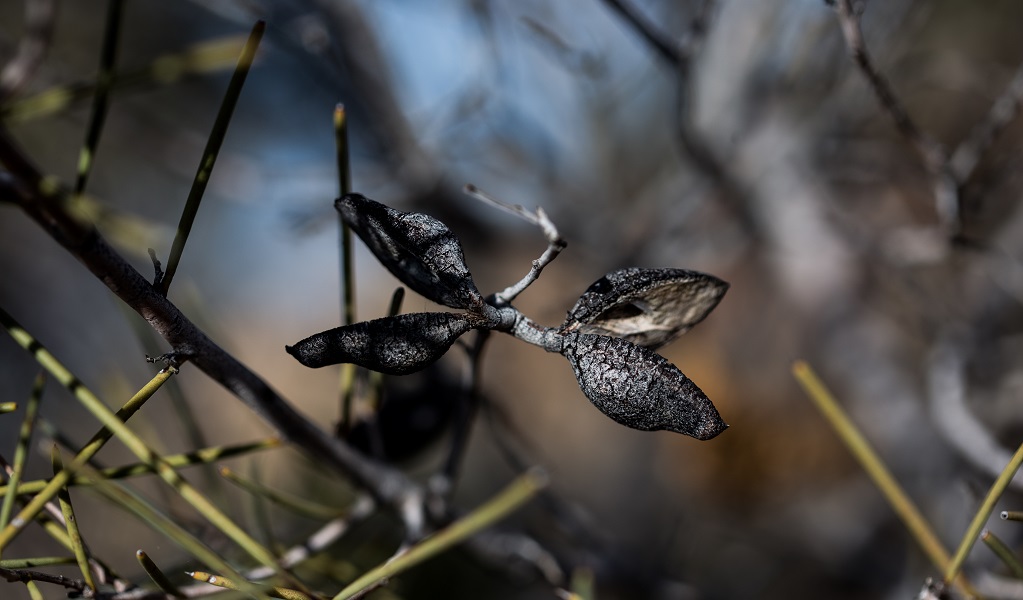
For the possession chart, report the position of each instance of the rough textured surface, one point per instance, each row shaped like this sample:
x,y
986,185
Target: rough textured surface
x,y
393,345
640,389
416,248
649,307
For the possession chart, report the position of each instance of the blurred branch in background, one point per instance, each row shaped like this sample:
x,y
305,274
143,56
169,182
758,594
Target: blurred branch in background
x,y
35,41
681,53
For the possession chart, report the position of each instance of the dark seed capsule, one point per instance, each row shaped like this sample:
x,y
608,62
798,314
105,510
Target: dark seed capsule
x,y
639,388
414,412
649,307
416,248
393,345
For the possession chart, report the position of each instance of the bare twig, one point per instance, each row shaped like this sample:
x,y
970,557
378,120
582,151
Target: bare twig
x,y
318,541
669,49
516,550
24,576
1003,112
539,218
849,19
39,18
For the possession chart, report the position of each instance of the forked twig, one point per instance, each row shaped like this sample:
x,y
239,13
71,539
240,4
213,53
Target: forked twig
x,y
555,244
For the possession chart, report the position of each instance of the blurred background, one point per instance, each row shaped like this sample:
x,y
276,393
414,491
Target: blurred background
x,y
765,159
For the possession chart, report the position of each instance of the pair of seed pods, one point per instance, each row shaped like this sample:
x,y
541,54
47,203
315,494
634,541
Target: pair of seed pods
x,y
609,336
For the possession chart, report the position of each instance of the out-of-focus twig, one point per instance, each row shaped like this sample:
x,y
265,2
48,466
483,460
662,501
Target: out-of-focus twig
x,y
946,189
1003,112
680,54
39,18
204,57
668,48
849,20
994,586
963,431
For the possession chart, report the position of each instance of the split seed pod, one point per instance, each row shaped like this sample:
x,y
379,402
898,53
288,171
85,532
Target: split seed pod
x,y
394,345
639,388
416,248
649,307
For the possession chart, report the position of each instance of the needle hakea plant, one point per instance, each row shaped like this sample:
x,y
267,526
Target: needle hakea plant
x,y
609,336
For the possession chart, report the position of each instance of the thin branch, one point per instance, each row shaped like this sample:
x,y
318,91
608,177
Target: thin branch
x,y
321,539
24,576
539,218
1003,112
670,50
849,20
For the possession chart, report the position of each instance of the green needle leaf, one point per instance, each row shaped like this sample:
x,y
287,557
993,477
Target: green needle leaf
x,y
209,157
973,531
876,469
197,457
298,505
21,452
94,404
159,578
230,584
102,99
68,510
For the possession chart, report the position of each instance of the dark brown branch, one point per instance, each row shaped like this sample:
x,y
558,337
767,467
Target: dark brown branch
x,y
39,18
45,205
25,576
849,20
